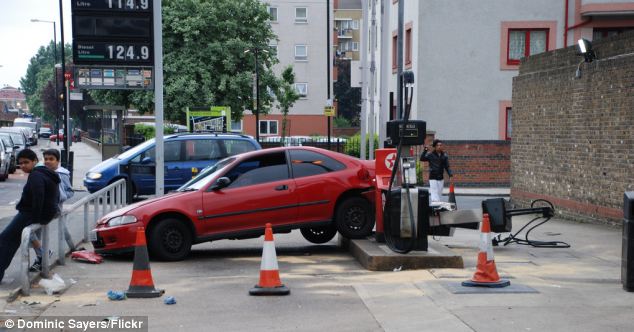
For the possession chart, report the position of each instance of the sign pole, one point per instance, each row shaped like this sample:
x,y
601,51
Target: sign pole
x,y
158,97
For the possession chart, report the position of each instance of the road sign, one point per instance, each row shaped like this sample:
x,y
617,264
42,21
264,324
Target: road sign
x,y
329,111
113,32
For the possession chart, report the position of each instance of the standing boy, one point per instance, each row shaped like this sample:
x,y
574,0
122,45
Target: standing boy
x,y
438,163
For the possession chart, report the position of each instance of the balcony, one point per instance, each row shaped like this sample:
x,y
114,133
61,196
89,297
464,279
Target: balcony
x,y
606,8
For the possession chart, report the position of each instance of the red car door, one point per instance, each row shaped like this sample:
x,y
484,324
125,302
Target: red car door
x,y
319,181
261,191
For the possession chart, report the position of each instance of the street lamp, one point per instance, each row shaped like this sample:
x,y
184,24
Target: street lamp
x,y
257,50
55,69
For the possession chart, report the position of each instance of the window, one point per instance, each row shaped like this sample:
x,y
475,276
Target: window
x,y
301,15
525,42
308,163
273,49
301,52
273,14
394,50
355,46
172,151
268,127
236,126
355,25
261,169
234,146
509,127
302,89
600,33
408,48
202,149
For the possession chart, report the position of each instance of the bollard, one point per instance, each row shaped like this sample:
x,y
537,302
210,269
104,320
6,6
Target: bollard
x,y
627,257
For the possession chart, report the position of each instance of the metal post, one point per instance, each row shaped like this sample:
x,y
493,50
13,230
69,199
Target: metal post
x,y
64,91
257,97
399,61
103,204
46,245
24,262
95,210
386,42
56,83
86,230
372,85
158,97
328,60
364,80
61,252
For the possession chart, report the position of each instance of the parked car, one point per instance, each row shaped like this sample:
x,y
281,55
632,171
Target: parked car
x,y
25,132
45,132
33,125
184,155
316,190
13,149
5,161
59,135
19,139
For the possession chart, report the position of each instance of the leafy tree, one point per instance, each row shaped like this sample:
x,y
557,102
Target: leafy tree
x,y
348,98
287,95
341,122
204,44
38,75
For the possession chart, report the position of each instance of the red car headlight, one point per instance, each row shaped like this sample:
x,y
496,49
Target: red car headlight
x,y
121,220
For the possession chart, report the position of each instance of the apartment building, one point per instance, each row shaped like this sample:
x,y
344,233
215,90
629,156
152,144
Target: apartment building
x,y
301,29
465,54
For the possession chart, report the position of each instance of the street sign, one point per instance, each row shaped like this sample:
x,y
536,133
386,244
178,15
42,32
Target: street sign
x,y
329,111
113,32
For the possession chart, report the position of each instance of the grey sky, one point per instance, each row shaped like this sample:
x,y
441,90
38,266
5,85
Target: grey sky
x,y
20,38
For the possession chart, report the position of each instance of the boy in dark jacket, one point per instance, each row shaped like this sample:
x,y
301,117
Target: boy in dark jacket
x,y
39,204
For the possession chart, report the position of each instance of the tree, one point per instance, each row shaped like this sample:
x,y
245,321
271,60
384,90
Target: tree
x,y
287,95
204,58
38,75
348,98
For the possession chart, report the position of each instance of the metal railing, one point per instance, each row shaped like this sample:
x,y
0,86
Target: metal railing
x,y
104,201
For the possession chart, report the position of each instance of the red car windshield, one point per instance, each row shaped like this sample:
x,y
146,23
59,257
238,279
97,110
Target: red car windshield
x,y
207,174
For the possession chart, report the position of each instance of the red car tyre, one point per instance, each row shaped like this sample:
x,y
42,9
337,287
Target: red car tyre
x,y
353,218
170,240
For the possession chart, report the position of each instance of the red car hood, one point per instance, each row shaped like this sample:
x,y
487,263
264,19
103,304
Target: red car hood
x,y
128,208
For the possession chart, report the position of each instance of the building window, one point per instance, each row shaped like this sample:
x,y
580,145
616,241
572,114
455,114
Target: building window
x,y
301,52
302,89
408,48
355,46
273,14
301,15
394,51
268,127
600,33
509,123
526,42
273,49
355,25
236,126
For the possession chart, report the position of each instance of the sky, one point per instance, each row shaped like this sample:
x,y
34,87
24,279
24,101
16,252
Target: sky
x,y
20,38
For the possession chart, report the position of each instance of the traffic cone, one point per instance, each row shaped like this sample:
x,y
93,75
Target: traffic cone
x,y
270,283
486,274
452,194
141,285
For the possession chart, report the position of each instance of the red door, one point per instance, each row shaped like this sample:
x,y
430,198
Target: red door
x,y
261,191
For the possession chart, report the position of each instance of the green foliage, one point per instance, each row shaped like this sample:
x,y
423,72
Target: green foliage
x,y
205,63
286,95
149,132
39,73
341,122
348,98
353,145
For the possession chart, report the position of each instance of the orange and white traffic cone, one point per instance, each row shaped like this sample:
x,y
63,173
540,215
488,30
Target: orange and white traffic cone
x,y
486,274
270,283
141,284
452,194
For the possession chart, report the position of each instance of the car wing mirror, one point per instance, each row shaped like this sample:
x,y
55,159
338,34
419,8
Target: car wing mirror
x,y
222,182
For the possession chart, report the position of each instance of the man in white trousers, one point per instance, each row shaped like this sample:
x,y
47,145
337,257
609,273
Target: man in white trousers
x,y
438,163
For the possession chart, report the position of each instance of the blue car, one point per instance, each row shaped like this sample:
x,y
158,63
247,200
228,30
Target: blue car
x,y
185,155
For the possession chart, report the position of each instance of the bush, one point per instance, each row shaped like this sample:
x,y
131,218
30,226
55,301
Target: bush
x,y
148,131
353,145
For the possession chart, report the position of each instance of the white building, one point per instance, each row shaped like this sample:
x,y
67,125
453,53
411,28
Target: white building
x,y
300,26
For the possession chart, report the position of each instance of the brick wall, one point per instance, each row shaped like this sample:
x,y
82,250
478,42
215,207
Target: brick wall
x,y
573,138
476,163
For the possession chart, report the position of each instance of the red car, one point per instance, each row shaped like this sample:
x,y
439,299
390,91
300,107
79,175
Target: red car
x,y
318,191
